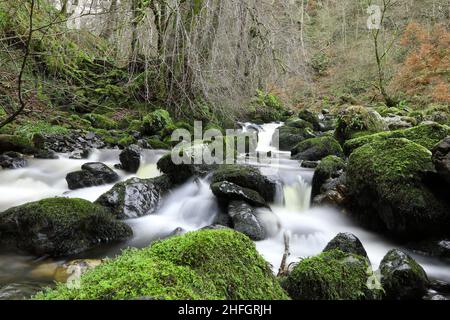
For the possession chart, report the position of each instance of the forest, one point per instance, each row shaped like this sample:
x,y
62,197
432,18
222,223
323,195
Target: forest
x,y
225,150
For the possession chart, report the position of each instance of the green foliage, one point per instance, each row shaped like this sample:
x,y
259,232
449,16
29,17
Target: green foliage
x,y
29,128
332,275
267,108
208,264
156,121
427,135
100,121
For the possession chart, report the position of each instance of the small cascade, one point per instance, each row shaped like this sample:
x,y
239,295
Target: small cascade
x,y
297,196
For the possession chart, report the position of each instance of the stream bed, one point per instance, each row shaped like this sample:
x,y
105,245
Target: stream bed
x,y
189,207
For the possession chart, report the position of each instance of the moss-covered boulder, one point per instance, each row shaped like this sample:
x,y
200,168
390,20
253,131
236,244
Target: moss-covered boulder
x,y
298,123
441,159
287,137
329,167
402,277
60,226
388,189
100,121
135,197
315,149
357,120
348,243
156,121
15,143
427,135
247,177
310,117
332,275
207,264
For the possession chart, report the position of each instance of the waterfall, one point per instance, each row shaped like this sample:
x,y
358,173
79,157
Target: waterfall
x,y
297,196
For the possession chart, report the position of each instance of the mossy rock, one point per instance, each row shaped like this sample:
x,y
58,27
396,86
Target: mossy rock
x,y
427,135
156,143
247,177
156,121
288,137
402,277
100,121
316,149
357,120
15,143
298,123
332,275
60,226
310,117
329,167
207,264
389,191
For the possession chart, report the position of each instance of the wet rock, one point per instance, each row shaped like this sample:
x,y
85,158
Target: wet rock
x,y
135,197
130,158
310,117
316,149
441,159
288,137
329,167
309,164
439,248
245,220
66,143
247,177
348,243
91,174
79,154
73,270
60,227
402,277
46,154
12,160
227,192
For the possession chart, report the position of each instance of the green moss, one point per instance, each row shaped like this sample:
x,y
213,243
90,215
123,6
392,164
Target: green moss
x,y
427,135
156,121
332,275
315,149
266,107
156,143
298,123
327,168
60,226
101,121
126,141
208,264
357,119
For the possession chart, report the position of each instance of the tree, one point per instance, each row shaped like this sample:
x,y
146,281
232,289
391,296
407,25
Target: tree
x,y
27,48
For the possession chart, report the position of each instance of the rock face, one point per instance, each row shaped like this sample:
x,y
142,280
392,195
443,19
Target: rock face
x,y
60,226
441,159
228,191
315,149
245,220
130,158
348,243
247,177
402,278
91,174
329,167
357,120
332,275
12,160
201,265
135,197
388,192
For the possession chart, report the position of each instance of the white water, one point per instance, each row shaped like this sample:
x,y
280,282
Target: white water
x,y
193,206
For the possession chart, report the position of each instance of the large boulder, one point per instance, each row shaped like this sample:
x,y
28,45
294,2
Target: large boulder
x,y
12,160
91,174
311,118
388,189
60,226
315,149
348,243
207,264
247,177
135,197
441,159
332,275
330,167
130,158
15,143
427,135
358,120
287,137
245,220
298,123
228,191
156,121
402,277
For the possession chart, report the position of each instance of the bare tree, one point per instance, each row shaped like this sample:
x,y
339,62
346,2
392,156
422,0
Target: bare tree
x,y
11,117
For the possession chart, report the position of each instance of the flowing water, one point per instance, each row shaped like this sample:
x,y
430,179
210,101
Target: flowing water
x,y
189,207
